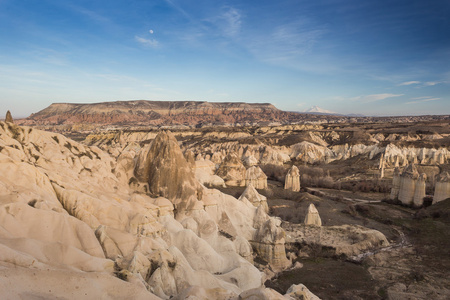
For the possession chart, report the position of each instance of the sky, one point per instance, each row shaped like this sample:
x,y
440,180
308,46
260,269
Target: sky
x,y
374,57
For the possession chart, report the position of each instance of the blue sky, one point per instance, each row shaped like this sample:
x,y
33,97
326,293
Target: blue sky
x,y
370,57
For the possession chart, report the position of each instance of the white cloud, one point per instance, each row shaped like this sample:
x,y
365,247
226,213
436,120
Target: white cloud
x,y
410,82
147,42
422,99
431,83
375,97
233,22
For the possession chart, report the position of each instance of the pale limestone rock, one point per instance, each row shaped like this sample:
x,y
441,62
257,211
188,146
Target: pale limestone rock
x,y
204,173
442,187
292,180
408,180
261,294
252,195
256,177
300,292
395,184
250,161
312,217
269,244
419,192
232,170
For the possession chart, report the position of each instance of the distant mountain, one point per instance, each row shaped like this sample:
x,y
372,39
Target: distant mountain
x,y
317,110
320,111
144,112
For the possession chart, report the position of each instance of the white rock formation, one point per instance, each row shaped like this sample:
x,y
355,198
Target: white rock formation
x,y
292,179
204,172
252,195
408,180
419,192
395,184
442,187
312,217
68,224
256,177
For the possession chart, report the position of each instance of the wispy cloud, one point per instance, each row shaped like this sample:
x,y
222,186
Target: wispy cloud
x,y
375,97
410,82
422,99
152,43
288,45
232,22
431,83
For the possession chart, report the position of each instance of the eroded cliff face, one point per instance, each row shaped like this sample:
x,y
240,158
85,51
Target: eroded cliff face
x,y
64,212
142,112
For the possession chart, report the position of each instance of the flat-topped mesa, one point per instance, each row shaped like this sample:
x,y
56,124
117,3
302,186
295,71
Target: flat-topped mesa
x,y
143,112
442,188
313,217
292,180
256,177
169,174
8,117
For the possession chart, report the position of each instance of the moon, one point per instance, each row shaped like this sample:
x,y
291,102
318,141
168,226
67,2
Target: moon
x,y
151,31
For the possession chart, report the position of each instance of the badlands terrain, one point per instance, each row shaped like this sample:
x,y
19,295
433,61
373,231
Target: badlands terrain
x,y
198,200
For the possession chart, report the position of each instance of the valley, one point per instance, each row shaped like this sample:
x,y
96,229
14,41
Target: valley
x,y
167,203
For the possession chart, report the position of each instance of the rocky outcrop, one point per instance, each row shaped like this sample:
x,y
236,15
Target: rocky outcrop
x,y
292,180
408,180
232,171
269,239
346,240
442,187
168,174
312,216
252,195
256,177
204,172
395,184
419,192
8,117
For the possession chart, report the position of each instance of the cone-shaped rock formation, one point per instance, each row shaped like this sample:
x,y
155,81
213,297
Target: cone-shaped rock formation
x,y
8,117
312,217
169,174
